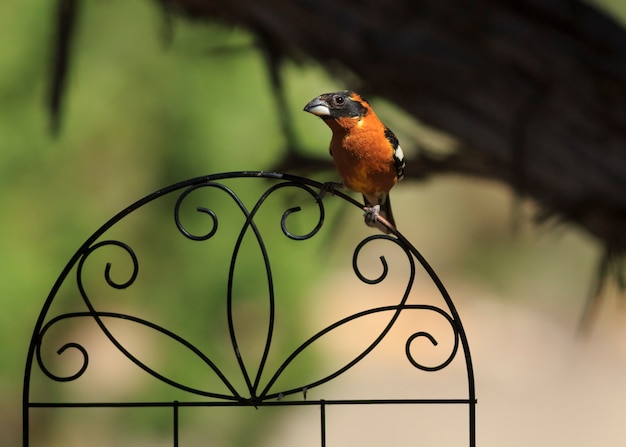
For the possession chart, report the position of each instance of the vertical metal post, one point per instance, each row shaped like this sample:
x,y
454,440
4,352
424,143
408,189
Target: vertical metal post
x,y
323,421
25,429
175,423
472,427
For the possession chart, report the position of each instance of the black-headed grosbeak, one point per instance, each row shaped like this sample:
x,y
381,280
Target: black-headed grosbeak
x,y
366,153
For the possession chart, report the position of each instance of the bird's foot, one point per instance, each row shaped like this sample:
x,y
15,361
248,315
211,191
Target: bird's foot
x,y
328,188
371,214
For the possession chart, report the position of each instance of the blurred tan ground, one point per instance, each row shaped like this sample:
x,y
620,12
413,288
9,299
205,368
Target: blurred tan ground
x,y
537,382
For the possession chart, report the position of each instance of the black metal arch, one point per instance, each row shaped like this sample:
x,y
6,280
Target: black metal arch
x,y
257,392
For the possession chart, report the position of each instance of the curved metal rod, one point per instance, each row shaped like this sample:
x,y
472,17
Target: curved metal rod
x,y
211,233
310,187
60,351
394,308
459,328
248,224
98,317
398,308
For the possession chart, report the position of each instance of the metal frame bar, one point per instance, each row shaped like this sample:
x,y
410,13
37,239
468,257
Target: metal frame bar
x,y
255,395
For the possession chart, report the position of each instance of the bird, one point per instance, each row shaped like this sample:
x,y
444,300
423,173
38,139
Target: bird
x,y
366,153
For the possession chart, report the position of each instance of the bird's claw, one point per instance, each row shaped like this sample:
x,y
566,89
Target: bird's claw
x,y
328,188
371,213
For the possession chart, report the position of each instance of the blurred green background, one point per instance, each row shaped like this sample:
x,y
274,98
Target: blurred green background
x,y
141,114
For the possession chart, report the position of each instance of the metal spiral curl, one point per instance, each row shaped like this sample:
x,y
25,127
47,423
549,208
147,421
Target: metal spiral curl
x,y
107,268
433,340
76,346
209,212
383,261
290,211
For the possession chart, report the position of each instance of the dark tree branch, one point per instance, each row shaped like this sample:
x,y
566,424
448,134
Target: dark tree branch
x,y
536,89
65,21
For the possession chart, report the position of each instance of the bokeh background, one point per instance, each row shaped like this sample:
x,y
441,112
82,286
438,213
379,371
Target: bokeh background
x,y
142,113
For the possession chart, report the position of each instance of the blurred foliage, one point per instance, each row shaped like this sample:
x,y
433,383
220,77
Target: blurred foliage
x,y
141,113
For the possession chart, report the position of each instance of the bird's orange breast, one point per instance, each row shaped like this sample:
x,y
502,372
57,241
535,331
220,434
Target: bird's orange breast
x,y
363,155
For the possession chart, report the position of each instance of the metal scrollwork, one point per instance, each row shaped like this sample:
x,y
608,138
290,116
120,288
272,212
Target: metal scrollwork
x,y
107,269
433,341
260,377
67,346
214,221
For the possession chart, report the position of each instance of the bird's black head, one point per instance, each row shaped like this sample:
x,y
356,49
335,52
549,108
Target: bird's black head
x,y
345,104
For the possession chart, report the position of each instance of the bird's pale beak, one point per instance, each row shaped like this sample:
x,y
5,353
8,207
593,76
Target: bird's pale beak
x,y
318,107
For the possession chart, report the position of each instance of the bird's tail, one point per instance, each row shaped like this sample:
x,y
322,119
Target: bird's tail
x,y
385,212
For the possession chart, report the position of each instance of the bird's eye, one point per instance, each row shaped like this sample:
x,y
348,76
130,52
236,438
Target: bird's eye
x,y
340,100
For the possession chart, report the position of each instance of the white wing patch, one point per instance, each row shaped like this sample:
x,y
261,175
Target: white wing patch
x,y
398,156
